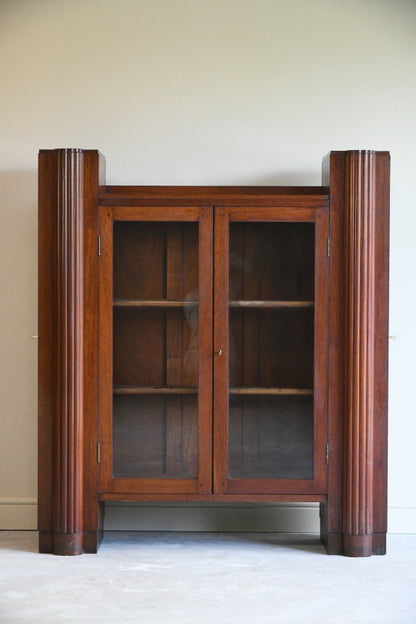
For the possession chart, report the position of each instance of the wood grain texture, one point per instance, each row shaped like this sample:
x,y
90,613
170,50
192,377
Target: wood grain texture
x,y
268,346
183,389
381,352
67,178
68,303
353,521
128,196
211,498
363,306
360,334
93,511
333,175
61,211
46,370
156,358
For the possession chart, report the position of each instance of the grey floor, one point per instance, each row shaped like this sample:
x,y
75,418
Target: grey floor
x,y
198,578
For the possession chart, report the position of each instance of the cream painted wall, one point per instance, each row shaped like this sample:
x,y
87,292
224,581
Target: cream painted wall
x,y
204,92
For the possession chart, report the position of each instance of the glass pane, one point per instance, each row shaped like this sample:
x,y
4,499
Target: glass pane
x,y
271,347
155,436
155,350
271,437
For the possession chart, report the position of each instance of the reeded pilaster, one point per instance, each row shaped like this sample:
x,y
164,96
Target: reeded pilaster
x,y
360,206
354,519
68,188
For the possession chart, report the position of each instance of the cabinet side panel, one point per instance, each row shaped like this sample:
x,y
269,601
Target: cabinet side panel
x,y
45,363
334,177
94,172
366,290
381,348
68,191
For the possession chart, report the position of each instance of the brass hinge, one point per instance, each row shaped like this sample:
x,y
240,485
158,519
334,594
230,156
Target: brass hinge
x,y
327,454
99,246
98,453
328,246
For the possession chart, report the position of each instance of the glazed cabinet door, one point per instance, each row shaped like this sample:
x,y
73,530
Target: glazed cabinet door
x,y
270,350
155,350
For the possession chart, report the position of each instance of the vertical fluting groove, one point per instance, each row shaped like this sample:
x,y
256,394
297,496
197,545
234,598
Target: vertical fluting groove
x,y
360,320
69,344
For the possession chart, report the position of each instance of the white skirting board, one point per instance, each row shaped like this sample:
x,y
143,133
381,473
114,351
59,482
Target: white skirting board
x,y
21,514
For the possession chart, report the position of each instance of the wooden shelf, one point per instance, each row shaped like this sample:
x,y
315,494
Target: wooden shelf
x,y
271,391
245,303
152,390
154,303
236,390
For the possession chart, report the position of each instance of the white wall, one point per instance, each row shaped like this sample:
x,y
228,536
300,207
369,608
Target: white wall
x,y
200,92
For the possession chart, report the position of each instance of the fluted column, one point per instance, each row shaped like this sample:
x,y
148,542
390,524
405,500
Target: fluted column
x,y
68,304
360,323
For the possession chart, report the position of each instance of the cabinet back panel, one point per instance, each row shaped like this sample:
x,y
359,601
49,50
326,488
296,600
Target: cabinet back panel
x,y
155,347
272,261
272,348
139,260
155,260
155,437
271,437
139,347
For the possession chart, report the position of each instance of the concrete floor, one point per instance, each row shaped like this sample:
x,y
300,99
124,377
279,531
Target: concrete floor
x,y
201,578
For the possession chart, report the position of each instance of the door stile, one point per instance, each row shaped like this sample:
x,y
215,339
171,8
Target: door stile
x,y
205,350
105,355
220,349
222,483
202,483
322,250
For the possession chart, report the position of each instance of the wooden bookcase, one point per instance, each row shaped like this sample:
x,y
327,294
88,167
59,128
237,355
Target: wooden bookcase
x,y
213,344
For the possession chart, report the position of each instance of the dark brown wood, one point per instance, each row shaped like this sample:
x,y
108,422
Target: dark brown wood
x,y
215,498
221,351
93,511
125,196
173,361
278,391
153,390
381,250
285,354
271,304
359,352
153,303
46,370
331,511
359,203
156,432
64,189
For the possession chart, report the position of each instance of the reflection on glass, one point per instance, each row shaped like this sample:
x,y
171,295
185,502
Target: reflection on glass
x,y
155,350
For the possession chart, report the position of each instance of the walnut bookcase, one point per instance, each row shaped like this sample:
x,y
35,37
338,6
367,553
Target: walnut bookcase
x,y
213,344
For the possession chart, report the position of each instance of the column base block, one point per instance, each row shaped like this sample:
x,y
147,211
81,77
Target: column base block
x,y
355,545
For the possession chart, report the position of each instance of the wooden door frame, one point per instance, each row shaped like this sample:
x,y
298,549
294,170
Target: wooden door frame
x,y
109,485
71,188
301,214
